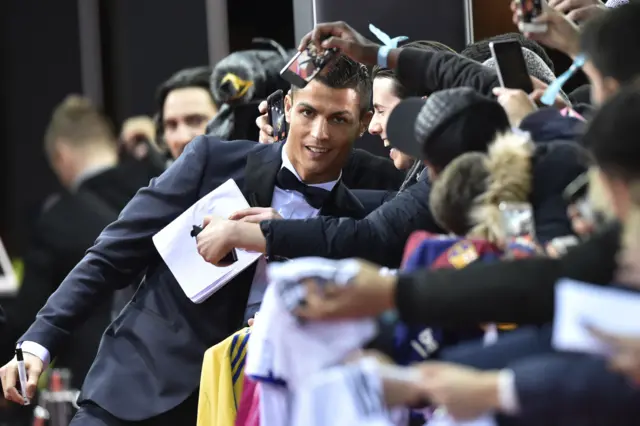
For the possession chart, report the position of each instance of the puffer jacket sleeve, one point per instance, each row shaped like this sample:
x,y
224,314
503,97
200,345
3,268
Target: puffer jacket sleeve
x,y
427,72
379,237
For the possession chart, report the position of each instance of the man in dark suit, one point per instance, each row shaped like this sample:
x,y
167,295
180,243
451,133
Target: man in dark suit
x,y
149,361
83,152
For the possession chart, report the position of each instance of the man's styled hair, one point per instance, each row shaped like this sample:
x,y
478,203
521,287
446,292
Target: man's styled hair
x,y
605,39
455,192
79,123
344,73
400,90
612,135
480,52
183,79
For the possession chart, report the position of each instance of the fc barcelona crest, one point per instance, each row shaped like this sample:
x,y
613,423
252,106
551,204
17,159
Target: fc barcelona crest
x,y
462,254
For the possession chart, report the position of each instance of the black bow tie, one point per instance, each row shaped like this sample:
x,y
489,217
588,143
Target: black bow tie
x,y
316,197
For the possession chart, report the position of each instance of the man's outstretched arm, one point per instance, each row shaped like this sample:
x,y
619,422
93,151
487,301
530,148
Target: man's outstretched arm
x,y
120,253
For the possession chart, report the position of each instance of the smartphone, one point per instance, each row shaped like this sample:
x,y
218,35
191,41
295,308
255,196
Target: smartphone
x,y
517,220
510,65
527,11
305,65
275,109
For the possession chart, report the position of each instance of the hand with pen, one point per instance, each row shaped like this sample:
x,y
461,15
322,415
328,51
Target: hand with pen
x,y
24,369
218,236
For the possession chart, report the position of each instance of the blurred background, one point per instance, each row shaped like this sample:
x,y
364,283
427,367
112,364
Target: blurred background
x,y
116,52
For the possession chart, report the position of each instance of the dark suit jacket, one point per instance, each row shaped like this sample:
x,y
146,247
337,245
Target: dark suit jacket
x,y
150,357
557,389
66,228
569,389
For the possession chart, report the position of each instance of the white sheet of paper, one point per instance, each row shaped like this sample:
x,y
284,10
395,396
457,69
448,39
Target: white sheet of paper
x,y
198,278
606,308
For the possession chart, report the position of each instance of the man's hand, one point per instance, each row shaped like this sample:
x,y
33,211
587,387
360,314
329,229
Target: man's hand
x,y
256,214
266,131
561,34
341,36
516,103
9,376
466,393
626,353
368,295
215,240
539,87
579,10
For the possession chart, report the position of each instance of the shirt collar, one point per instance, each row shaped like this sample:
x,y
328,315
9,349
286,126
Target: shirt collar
x,y
287,163
88,174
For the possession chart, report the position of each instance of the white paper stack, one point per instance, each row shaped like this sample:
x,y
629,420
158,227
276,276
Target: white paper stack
x,y
198,278
608,309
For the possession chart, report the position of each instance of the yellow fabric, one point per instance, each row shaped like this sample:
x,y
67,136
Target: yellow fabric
x,y
221,380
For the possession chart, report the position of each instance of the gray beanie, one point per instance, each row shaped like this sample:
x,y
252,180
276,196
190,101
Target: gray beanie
x,y
616,3
535,66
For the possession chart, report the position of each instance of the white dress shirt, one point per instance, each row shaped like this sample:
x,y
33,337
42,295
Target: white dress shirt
x,y
289,204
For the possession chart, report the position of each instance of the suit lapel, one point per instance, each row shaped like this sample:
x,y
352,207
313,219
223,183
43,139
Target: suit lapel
x,y
342,203
260,174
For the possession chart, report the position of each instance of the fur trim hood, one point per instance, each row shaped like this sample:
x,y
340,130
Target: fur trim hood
x,y
509,165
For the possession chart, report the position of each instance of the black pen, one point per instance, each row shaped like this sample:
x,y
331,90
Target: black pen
x,y
195,230
22,373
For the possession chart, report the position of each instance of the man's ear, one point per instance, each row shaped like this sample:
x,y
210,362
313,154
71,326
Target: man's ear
x,y
364,122
288,104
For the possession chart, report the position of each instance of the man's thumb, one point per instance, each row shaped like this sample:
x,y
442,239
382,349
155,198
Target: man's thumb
x,y
206,221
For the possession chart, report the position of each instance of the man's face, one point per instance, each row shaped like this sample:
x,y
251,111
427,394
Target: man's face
x,y
384,101
186,113
323,124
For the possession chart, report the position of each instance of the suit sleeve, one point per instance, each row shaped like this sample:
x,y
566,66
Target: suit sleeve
x,y
426,72
379,237
123,249
563,388
517,291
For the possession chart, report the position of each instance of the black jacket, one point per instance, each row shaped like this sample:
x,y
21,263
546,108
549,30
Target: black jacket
x,y
365,170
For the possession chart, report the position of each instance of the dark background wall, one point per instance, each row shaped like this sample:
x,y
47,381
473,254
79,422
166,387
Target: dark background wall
x,y
143,42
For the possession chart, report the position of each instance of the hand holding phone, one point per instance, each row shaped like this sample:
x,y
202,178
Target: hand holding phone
x,y
510,65
307,64
517,220
275,110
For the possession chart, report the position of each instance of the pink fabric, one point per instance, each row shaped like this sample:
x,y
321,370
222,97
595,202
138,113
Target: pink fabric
x,y
570,112
249,409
